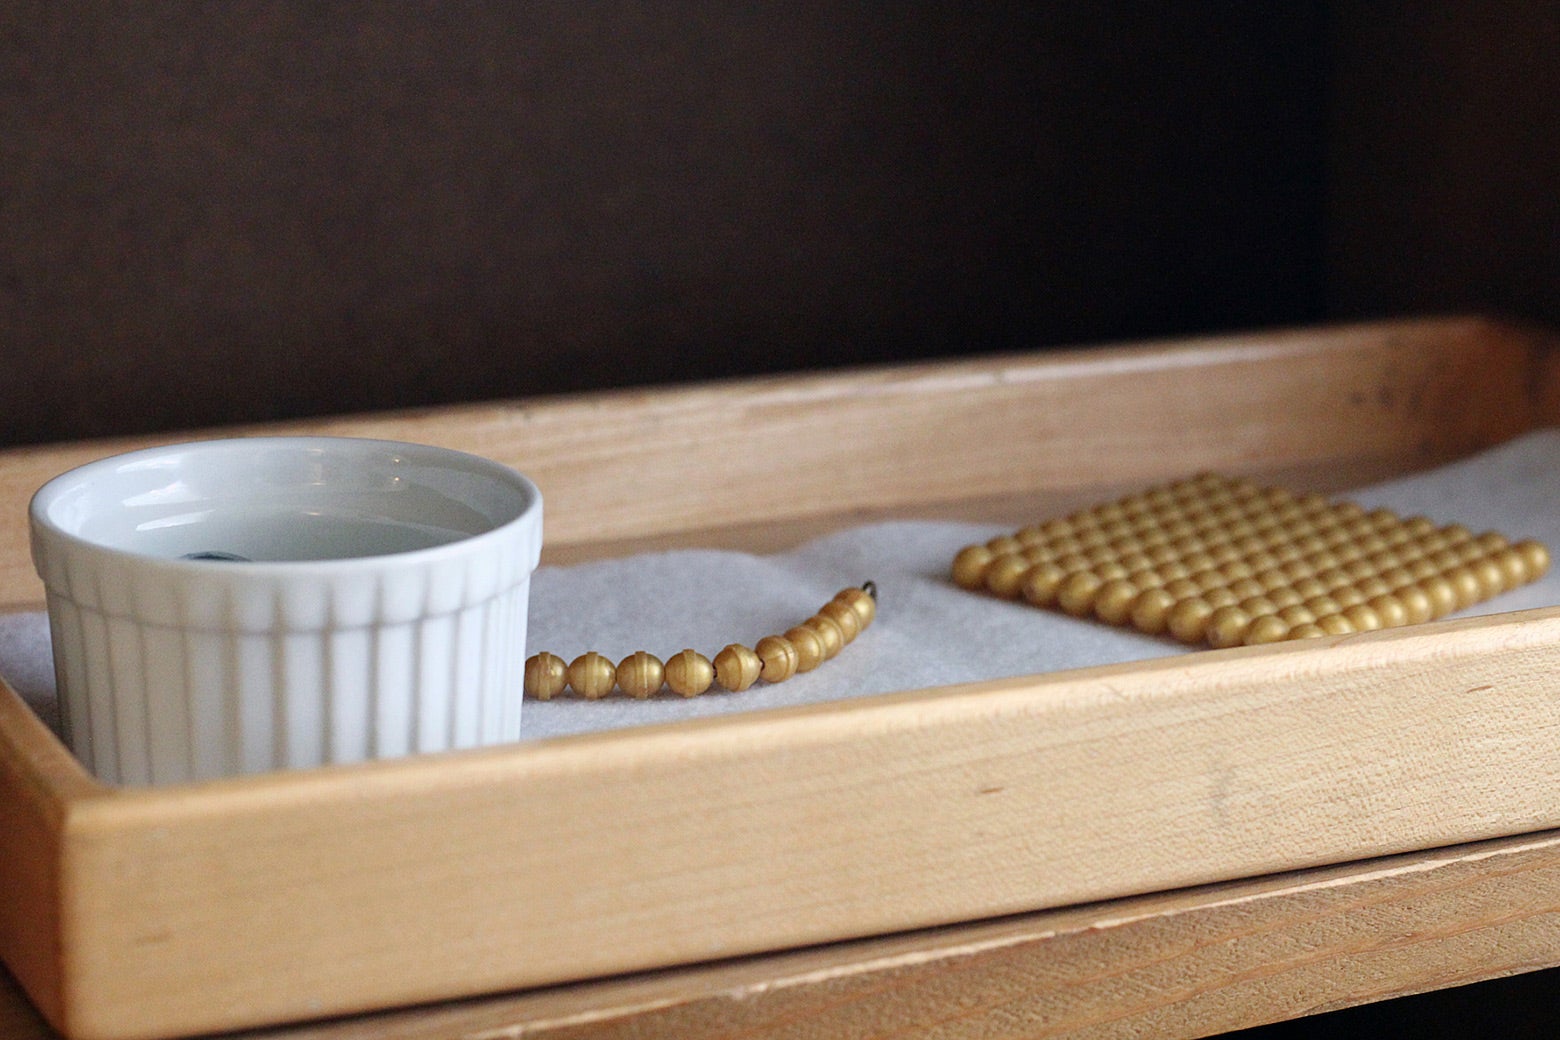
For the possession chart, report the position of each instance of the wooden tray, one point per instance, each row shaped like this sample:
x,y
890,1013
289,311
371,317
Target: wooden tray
x,y
160,912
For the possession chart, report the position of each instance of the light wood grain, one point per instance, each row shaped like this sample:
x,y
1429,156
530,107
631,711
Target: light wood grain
x,y
38,783
1169,965
296,895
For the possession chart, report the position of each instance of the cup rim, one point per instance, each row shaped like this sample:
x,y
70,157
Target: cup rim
x,y
45,525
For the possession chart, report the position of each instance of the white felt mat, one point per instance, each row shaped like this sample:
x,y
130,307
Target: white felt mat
x,y
928,631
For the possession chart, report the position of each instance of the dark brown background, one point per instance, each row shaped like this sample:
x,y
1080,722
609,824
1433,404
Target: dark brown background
x,y
235,211
253,210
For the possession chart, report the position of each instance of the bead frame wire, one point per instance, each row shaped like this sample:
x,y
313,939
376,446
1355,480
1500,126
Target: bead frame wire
x,y
689,673
1224,562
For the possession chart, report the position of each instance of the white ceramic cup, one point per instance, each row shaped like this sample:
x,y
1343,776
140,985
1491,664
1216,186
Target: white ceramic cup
x,y
379,607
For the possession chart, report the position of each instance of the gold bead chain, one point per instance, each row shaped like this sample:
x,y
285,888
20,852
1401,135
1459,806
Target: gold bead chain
x,y
689,673
1222,561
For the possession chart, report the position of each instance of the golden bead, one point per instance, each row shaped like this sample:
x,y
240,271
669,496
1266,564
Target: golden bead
x,y
1443,598
1397,578
1208,578
1226,556
1041,582
779,657
1146,578
808,645
1456,534
1385,560
1311,588
1335,625
1076,595
1272,578
640,675
1220,597
1513,568
1372,544
1227,627
546,676
1005,574
1364,617
592,676
1248,544
1235,570
1004,544
1135,504
1309,630
1296,615
1113,601
1346,554
1099,554
1321,606
969,567
1382,518
862,602
1262,562
1491,541
1072,563
1466,586
1313,547
1111,512
689,673
737,667
1257,606
1408,552
1417,604
1136,561
1390,609
1266,629
1470,551
1182,588
843,616
1336,578
1285,597
1066,547
1030,535
1536,556
829,633
1299,569
1360,527
1359,570
1150,609
1188,619
1491,579
1200,562
1110,570
1370,588
1245,588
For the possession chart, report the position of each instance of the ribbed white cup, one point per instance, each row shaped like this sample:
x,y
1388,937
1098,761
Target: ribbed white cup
x,y
380,608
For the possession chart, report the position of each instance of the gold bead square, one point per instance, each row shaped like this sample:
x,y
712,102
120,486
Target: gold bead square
x,y
1222,561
